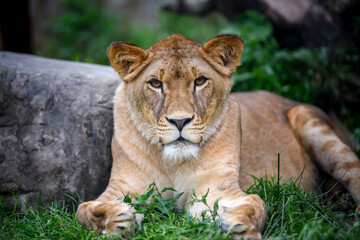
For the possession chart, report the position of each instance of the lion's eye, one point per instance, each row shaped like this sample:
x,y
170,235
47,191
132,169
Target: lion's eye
x,y
155,83
200,81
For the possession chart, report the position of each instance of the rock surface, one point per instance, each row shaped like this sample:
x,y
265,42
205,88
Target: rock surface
x,y
56,126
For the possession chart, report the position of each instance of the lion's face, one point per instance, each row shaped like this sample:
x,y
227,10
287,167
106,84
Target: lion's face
x,y
179,88
179,98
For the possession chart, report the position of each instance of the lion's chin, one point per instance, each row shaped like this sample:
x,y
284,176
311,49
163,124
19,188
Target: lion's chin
x,y
179,151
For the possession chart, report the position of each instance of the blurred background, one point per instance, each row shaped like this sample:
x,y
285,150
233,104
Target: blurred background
x,y
306,50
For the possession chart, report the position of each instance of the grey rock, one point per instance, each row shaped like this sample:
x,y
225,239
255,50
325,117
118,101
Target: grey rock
x,y
56,126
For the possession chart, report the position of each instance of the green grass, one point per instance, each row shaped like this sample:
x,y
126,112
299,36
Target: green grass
x,y
292,214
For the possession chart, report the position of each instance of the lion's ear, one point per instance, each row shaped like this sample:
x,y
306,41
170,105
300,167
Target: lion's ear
x,y
224,52
125,57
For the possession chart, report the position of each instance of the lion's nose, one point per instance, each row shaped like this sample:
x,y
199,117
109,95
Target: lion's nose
x,y
180,123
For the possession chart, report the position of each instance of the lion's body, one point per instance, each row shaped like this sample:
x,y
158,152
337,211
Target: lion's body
x,y
176,126
267,132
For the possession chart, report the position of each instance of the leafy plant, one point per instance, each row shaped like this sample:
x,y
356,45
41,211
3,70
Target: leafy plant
x,y
160,214
156,208
211,211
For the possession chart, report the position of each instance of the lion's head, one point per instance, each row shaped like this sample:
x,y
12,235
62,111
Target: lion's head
x,y
176,90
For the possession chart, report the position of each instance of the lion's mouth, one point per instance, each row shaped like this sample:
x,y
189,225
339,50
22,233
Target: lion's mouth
x,y
180,139
185,140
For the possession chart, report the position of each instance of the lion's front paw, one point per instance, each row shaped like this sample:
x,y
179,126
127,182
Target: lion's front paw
x,y
111,217
241,228
119,218
244,218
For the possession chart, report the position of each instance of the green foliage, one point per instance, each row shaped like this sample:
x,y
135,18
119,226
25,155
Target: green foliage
x,y
200,29
156,208
161,222
82,33
210,211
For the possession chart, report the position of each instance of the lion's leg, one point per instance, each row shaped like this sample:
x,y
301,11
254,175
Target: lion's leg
x,y
243,214
108,213
325,147
219,172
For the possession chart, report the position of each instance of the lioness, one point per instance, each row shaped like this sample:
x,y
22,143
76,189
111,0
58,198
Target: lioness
x,y
176,124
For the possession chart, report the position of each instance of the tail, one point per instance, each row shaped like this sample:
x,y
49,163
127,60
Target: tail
x,y
322,141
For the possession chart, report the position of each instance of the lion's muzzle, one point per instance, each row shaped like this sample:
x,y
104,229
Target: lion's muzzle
x,y
179,129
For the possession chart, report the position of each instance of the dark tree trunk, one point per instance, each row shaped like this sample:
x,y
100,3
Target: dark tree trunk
x,y
15,27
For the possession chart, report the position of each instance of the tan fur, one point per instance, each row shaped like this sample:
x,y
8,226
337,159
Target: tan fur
x,y
223,136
